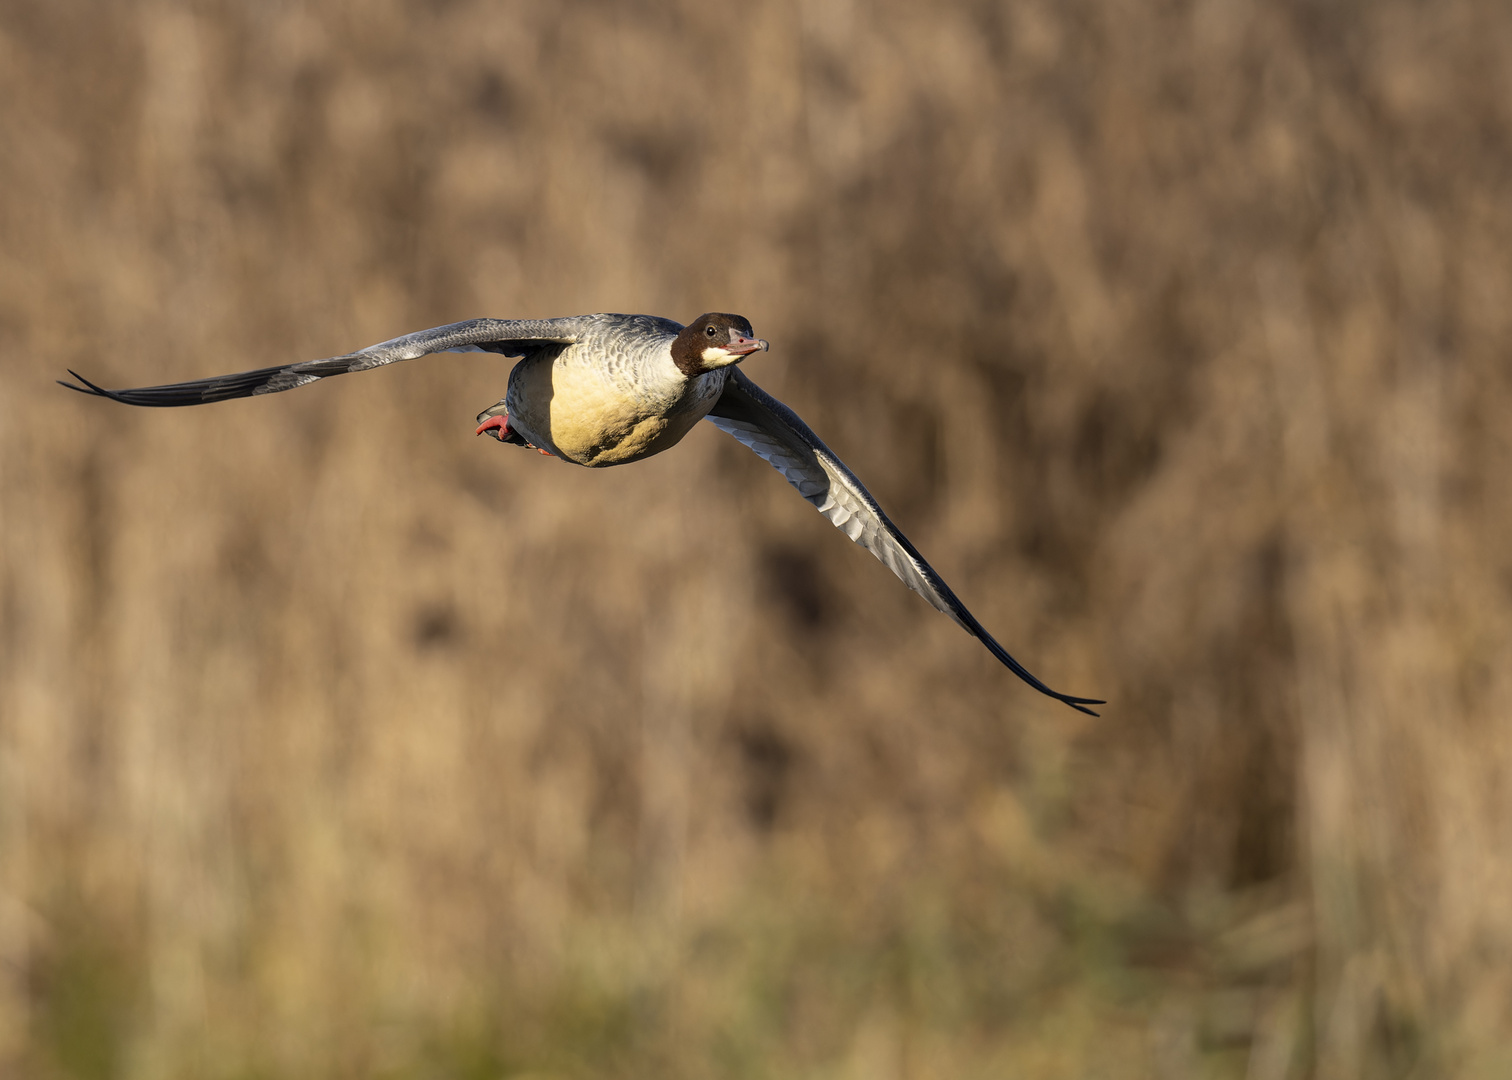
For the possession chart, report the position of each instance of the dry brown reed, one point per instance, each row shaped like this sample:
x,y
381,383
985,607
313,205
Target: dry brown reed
x,y
336,742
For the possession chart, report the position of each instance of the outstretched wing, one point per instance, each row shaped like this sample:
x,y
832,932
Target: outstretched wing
x,y
786,443
511,337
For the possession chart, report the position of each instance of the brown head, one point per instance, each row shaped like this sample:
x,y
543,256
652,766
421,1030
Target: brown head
x,y
714,341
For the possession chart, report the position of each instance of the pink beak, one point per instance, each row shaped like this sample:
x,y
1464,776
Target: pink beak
x,y
744,346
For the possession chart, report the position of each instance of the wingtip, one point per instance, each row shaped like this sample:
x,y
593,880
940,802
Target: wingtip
x,y
88,387
1079,703
1006,659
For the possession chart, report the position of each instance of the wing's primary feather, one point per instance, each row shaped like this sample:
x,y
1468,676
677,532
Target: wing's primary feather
x,y
511,337
786,443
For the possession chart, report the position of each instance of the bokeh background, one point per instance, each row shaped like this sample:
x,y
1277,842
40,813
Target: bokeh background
x,y
336,742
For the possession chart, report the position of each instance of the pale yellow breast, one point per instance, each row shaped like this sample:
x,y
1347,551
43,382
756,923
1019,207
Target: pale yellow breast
x,y
583,417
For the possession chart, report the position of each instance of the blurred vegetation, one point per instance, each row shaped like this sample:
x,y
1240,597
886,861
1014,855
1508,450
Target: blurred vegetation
x,y
336,742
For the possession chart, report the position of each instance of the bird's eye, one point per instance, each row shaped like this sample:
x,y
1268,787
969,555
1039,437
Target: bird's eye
x,y
711,331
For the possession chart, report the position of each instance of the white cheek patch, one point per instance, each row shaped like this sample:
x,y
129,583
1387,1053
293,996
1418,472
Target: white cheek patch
x,y
715,356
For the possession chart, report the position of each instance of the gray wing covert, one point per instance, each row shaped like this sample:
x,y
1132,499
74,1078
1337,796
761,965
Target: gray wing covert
x,y
785,442
510,337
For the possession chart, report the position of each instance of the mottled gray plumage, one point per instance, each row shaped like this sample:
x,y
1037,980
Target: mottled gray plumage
x,y
607,389
511,337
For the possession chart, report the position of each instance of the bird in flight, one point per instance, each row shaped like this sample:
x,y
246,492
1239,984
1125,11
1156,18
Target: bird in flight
x,y
599,390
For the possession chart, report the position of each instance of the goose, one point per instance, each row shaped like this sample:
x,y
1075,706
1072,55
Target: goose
x,y
606,389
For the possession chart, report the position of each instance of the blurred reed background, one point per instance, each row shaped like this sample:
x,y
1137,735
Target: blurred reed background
x,y
336,742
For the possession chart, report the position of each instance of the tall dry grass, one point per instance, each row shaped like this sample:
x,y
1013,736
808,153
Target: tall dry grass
x,y
336,742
